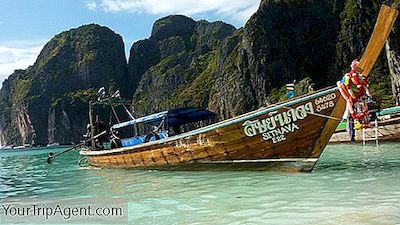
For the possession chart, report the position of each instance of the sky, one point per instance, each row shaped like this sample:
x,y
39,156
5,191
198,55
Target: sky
x,y
26,25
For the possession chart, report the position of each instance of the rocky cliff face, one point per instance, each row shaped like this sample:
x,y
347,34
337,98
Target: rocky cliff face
x,y
233,71
194,63
175,67
38,104
9,132
393,57
283,41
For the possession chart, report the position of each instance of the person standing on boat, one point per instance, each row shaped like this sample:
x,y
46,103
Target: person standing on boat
x,y
290,90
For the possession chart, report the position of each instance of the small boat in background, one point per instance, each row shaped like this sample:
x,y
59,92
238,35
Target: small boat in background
x,y
53,145
22,146
389,114
385,127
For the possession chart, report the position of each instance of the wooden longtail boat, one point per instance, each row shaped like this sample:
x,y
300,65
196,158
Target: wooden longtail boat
x,y
289,136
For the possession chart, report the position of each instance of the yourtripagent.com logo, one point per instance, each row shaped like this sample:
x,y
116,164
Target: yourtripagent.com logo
x,y
98,211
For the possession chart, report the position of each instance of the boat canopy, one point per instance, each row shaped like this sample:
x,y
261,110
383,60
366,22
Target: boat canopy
x,y
389,111
173,117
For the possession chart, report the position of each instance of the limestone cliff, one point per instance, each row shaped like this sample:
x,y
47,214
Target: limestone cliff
x,y
176,66
283,41
393,57
36,106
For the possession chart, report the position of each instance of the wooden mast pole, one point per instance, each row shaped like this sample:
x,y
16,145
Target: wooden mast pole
x,y
384,24
91,124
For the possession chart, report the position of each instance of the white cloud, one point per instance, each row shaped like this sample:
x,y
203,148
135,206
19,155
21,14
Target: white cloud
x,y
16,58
239,10
244,15
92,5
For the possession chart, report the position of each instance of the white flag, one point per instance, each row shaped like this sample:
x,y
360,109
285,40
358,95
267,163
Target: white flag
x,y
116,94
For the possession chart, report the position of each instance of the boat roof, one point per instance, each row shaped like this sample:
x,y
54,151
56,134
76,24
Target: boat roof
x,y
389,111
174,117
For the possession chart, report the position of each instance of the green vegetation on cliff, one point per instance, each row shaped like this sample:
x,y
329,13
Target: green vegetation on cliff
x,y
185,71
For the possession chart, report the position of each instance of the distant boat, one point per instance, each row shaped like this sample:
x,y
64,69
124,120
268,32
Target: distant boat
x,y
288,136
386,128
9,147
53,145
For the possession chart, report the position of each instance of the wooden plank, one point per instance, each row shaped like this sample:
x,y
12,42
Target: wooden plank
x,y
172,157
386,18
307,127
286,150
257,143
282,149
329,128
158,157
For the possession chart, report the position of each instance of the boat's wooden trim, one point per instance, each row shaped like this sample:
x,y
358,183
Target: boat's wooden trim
x,y
384,24
294,165
261,160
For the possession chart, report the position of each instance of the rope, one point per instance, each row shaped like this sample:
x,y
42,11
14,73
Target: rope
x,y
113,110
52,156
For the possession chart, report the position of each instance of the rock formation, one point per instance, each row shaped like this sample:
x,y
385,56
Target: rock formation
x,y
39,104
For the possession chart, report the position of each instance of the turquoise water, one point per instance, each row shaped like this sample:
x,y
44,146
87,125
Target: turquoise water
x,y
351,184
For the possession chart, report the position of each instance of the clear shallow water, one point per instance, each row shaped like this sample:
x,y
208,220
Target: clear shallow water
x,y
351,184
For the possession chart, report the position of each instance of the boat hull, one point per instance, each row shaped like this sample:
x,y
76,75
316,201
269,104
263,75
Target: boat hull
x,y
282,165
287,137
